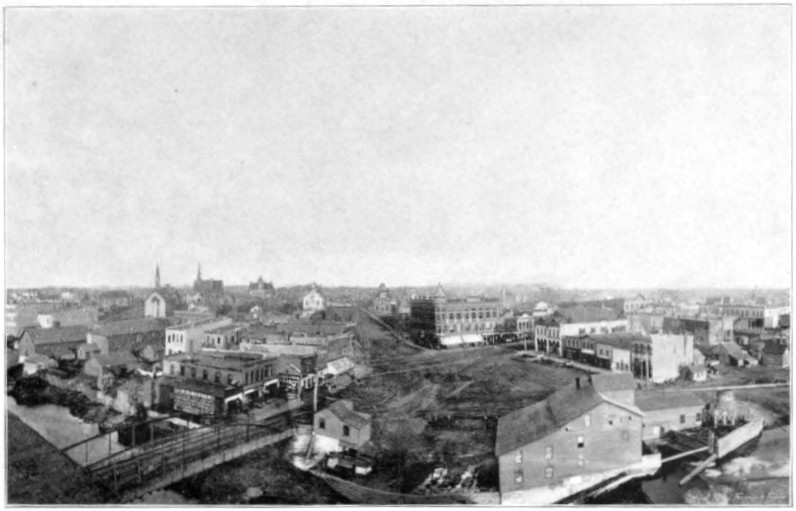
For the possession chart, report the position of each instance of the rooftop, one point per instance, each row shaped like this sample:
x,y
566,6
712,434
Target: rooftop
x,y
527,425
586,314
613,381
130,326
344,410
651,400
204,387
224,360
623,340
62,335
774,348
116,358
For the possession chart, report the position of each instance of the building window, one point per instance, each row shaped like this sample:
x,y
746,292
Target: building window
x,y
193,372
182,371
518,458
173,369
218,377
548,472
346,431
581,442
587,420
322,423
518,476
682,419
548,452
204,374
581,460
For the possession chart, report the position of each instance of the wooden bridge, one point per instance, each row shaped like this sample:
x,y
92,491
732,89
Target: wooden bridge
x,y
136,471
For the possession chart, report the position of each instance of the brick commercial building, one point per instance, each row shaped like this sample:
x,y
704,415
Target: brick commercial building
x,y
572,322
447,322
199,380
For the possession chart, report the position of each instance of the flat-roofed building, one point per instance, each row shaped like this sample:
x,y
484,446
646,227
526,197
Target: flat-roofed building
x,y
232,375
189,337
575,321
450,322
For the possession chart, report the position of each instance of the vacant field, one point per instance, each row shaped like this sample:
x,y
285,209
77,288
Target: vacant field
x,y
39,474
437,408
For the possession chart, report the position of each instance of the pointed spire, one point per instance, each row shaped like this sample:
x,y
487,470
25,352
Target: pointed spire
x,y
199,271
157,276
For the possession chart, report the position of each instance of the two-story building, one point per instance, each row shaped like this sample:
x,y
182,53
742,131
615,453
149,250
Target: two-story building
x,y
190,337
574,322
208,382
224,337
339,428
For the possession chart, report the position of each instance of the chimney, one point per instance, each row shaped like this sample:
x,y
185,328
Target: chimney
x,y
577,383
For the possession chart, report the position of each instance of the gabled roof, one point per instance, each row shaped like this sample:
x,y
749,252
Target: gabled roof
x,y
731,348
651,400
585,314
115,359
130,326
340,366
62,335
42,360
113,294
775,348
529,424
534,422
612,382
344,410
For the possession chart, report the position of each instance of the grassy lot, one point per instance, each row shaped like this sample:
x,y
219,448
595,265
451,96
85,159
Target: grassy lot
x,y
39,474
411,389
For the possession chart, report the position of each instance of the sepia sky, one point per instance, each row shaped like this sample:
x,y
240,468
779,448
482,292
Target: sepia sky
x,y
579,146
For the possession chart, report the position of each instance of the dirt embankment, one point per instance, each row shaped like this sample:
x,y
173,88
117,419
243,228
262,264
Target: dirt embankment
x,y
39,474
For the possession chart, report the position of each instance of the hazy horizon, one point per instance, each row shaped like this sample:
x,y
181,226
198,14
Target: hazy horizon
x,y
594,147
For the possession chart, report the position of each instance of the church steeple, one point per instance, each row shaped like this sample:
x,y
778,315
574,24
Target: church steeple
x,y
157,276
199,272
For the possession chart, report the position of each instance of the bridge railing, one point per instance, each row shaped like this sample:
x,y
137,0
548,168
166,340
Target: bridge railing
x,y
163,457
